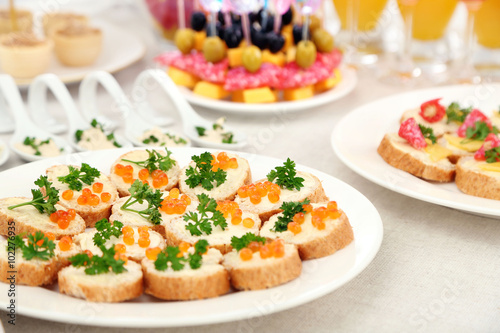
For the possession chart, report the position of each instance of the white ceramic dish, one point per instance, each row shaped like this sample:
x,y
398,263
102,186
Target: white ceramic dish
x,y
356,137
349,80
119,50
318,277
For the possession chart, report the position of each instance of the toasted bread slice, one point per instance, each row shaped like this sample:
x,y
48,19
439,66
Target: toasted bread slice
x,y
141,155
210,280
312,242
312,190
134,252
439,128
258,273
27,219
109,287
227,191
34,272
400,154
219,239
91,214
135,220
474,180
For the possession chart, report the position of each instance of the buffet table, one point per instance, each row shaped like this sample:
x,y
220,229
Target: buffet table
x,y
437,269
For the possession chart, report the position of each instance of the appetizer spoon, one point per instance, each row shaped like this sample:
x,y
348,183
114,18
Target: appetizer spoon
x,y
25,127
4,152
75,119
135,125
6,121
190,119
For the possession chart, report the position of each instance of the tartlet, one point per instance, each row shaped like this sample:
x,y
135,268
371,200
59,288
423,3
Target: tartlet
x,y
24,21
77,45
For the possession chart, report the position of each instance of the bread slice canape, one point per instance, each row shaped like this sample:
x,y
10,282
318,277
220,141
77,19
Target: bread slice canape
x,y
219,176
440,127
171,205
265,197
107,278
318,229
256,264
36,260
185,272
154,166
85,189
214,221
131,241
478,178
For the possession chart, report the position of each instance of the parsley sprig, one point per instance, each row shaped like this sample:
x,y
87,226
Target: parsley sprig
x,y
492,155
201,222
105,230
457,114
43,203
239,243
202,174
77,176
479,131
289,210
99,265
155,161
284,176
170,255
428,133
36,146
38,246
140,193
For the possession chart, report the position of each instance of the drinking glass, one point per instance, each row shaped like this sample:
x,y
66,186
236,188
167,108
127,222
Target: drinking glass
x,y
487,29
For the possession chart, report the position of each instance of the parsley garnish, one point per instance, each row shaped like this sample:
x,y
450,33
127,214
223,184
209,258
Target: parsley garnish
x,y
77,176
99,265
155,161
43,251
479,131
78,135
428,133
170,255
202,174
32,143
227,137
150,139
201,130
105,230
492,155
202,222
111,137
44,204
289,211
285,176
239,243
457,114
176,139
140,192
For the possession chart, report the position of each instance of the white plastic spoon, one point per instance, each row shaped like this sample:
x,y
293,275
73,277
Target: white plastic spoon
x,y
24,125
6,121
75,119
4,153
190,118
135,125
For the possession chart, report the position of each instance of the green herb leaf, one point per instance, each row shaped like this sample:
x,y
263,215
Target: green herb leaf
x,y
38,246
202,174
201,221
285,176
196,258
479,131
32,143
456,114
78,135
492,155
99,265
169,255
289,211
44,204
239,243
140,193
428,133
155,161
227,137
177,140
201,130
150,139
77,176
105,230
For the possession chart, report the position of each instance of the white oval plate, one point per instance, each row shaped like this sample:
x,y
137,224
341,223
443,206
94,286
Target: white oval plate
x,y
349,80
318,277
356,137
119,50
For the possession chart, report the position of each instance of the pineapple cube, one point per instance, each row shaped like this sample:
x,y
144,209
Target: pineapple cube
x,y
256,95
329,83
210,90
199,39
234,56
274,58
182,78
298,93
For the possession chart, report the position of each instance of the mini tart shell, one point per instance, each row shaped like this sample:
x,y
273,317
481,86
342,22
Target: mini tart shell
x,y
79,49
25,61
24,21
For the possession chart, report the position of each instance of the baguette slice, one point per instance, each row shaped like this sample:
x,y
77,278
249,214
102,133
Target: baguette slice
x,y
236,178
210,280
109,287
439,128
219,239
473,180
91,214
27,219
311,242
135,220
134,252
141,155
397,152
34,272
258,273
312,190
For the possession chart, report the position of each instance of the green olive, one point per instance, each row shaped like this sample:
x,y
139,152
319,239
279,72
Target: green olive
x,y
184,40
323,40
213,49
306,54
252,58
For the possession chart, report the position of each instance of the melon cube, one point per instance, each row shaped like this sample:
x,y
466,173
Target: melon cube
x,y
210,90
277,59
329,83
298,93
199,39
182,78
256,95
234,56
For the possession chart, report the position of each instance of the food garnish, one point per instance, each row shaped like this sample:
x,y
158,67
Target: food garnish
x,y
44,204
203,174
140,192
77,176
201,221
284,176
